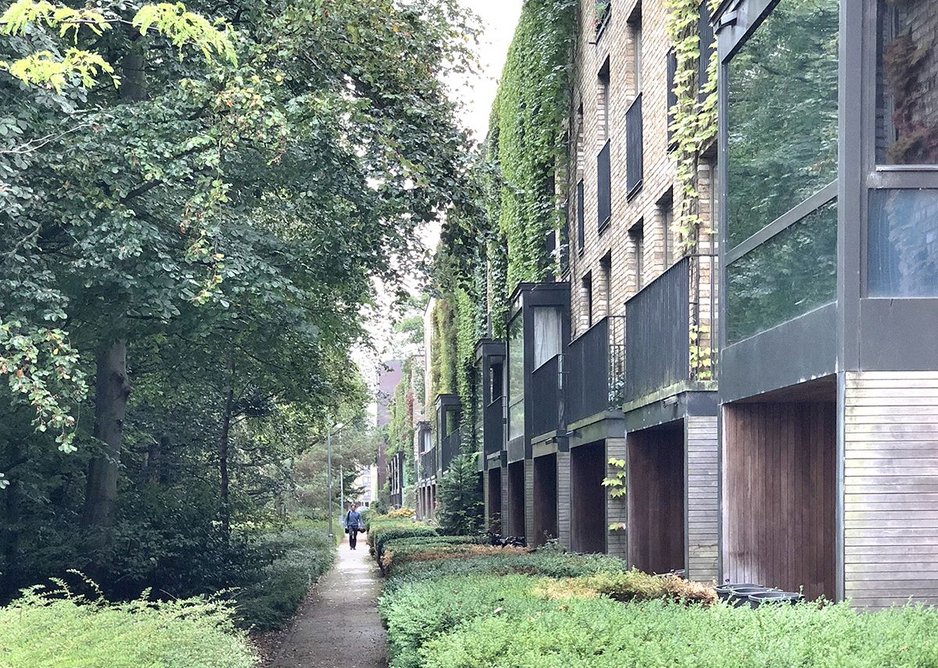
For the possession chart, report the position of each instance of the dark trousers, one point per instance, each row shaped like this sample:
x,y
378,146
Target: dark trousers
x,y
352,538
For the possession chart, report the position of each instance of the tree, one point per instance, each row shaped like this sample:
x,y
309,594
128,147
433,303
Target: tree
x,y
462,510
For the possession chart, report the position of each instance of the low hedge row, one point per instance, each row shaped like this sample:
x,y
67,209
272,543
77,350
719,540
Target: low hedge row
x,y
429,548
515,609
382,528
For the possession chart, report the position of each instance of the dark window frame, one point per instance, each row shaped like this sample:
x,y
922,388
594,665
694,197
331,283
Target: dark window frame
x,y
635,149
604,187
580,217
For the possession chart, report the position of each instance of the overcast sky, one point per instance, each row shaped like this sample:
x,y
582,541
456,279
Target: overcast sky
x,y
498,19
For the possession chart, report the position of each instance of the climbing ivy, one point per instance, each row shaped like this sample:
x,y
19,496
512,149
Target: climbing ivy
x,y
694,121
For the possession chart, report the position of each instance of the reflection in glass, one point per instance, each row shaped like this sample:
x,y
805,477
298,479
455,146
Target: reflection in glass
x,y
907,78
782,114
516,377
903,243
792,273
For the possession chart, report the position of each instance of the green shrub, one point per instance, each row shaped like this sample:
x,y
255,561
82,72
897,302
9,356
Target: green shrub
x,y
462,509
299,556
381,529
634,585
600,633
38,630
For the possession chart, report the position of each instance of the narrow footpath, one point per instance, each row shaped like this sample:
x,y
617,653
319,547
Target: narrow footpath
x,y
339,627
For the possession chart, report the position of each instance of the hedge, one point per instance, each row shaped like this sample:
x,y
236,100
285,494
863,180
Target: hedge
x,y
399,551
381,529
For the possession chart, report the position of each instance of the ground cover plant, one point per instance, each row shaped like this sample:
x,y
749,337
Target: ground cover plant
x,y
520,609
59,630
432,548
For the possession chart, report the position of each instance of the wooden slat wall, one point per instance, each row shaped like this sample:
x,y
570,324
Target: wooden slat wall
x,y
617,543
563,498
780,494
891,488
529,528
656,499
702,497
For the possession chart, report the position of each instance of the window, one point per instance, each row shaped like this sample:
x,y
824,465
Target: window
x,y
497,381
603,12
903,243
907,83
516,377
705,31
586,295
602,101
782,121
548,334
580,219
605,272
634,148
666,216
635,52
603,188
789,275
637,237
672,95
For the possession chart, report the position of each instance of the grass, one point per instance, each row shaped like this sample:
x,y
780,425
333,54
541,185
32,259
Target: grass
x,y
60,631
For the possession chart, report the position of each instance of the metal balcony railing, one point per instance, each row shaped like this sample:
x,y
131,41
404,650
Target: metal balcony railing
x,y
428,464
671,328
546,399
493,431
595,364
450,447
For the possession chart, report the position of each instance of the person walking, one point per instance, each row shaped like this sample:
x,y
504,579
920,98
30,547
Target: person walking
x,y
353,524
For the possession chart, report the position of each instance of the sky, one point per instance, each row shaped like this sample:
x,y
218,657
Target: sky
x,y
475,95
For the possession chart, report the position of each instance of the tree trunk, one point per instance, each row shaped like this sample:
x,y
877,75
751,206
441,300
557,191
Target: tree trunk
x,y
223,441
154,474
112,389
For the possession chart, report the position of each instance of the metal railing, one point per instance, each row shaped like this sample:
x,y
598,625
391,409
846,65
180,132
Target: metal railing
x,y
450,447
428,464
493,429
596,369
545,397
671,328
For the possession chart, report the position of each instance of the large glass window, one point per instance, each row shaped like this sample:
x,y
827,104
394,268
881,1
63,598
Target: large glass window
x,y
792,273
516,377
903,243
548,334
782,122
907,81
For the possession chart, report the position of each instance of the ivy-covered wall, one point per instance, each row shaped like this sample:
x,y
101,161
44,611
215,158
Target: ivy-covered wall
x,y
501,240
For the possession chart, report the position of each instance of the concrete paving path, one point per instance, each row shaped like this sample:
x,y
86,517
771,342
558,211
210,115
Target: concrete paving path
x,y
338,626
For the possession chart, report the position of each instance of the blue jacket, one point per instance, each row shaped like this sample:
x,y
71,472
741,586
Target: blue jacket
x,y
353,519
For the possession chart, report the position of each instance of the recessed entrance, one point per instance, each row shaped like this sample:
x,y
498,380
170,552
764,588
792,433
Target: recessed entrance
x,y
545,499
780,489
656,498
588,498
515,511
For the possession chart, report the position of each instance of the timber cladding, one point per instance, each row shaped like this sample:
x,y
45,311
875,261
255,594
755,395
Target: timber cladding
x,y
702,497
779,486
891,487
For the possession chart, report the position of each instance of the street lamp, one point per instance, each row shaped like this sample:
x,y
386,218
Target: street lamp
x,y
334,429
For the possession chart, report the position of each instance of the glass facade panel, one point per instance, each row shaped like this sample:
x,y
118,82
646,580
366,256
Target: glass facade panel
x,y
792,273
903,243
516,377
907,83
782,114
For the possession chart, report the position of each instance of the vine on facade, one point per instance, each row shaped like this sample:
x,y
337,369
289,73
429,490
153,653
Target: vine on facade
x,y
694,122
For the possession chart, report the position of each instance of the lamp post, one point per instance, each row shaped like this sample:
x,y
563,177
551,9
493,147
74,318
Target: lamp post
x,y
334,429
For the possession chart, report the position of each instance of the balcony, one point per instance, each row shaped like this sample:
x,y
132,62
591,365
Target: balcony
x,y
670,336
546,399
428,464
493,430
450,448
596,364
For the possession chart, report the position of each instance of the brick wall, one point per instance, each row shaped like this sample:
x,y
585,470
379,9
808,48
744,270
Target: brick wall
x,y
660,246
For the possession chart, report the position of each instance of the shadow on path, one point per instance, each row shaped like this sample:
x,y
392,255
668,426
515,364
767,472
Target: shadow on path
x,y
339,626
